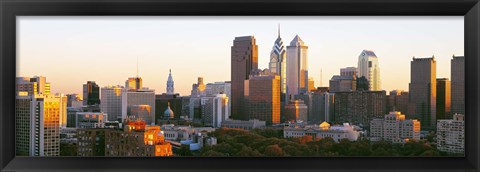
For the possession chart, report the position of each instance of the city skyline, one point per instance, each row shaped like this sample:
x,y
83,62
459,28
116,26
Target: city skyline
x,y
115,52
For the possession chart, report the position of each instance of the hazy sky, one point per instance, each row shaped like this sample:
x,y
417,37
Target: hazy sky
x,y
70,51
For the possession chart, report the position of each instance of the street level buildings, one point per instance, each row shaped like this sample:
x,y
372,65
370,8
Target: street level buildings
x,y
394,127
451,134
324,130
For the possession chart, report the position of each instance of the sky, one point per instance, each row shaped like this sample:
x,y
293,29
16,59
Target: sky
x,y
71,50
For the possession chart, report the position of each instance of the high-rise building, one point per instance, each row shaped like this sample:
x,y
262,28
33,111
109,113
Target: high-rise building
x,y
170,84
244,59
198,89
451,134
62,100
348,71
71,98
311,84
133,83
458,84
214,110
395,128
343,83
443,98
262,95
112,102
37,119
35,85
423,90
131,98
278,64
369,68
215,88
397,100
297,67
359,107
296,110
91,93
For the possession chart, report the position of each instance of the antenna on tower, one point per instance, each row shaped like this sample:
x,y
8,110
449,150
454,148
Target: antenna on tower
x,y
279,30
137,67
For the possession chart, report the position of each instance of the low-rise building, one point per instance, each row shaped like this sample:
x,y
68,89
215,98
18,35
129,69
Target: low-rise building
x,y
337,133
451,134
90,119
395,128
246,125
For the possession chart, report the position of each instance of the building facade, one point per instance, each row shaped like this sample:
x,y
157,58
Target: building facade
x,y
348,71
451,134
443,99
395,128
112,102
90,119
458,84
198,89
359,107
143,96
34,85
397,100
278,64
343,83
297,68
296,110
423,90
246,125
262,97
244,59
337,133
91,93
369,68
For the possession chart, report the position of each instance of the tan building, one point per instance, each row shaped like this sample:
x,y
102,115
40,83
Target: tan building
x,y
311,84
296,110
262,95
423,90
395,128
451,134
397,100
343,83
244,59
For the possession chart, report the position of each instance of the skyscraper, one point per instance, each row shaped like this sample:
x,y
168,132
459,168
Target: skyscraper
x,y
278,64
458,84
91,93
134,83
423,90
112,102
170,86
369,68
131,98
35,85
244,59
443,98
297,67
262,95
198,89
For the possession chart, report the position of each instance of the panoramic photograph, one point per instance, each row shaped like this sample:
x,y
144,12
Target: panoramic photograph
x,y
233,86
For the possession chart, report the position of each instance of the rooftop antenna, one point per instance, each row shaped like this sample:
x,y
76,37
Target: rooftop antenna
x,y
279,30
137,67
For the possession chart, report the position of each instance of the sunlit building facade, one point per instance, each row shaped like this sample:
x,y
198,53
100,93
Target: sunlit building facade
x,y
34,85
63,101
112,102
133,83
324,130
369,68
395,128
91,93
278,63
296,110
297,68
262,95
423,90
443,98
198,89
244,59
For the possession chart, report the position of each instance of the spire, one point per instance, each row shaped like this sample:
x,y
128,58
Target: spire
x,y
279,30
170,72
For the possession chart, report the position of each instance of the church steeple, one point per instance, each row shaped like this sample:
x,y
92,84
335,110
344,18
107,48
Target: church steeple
x,y
170,84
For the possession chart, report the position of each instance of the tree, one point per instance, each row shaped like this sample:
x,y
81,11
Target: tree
x,y
362,83
212,153
273,150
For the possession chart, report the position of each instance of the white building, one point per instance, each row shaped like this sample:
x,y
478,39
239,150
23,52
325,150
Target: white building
x,y
142,96
90,119
451,134
395,128
369,68
337,133
63,100
297,68
246,125
215,88
111,104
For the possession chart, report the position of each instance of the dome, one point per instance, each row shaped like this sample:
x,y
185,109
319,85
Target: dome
x,y
168,112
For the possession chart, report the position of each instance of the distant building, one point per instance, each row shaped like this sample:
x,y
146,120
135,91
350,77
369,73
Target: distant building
x,y
198,89
215,88
369,68
397,100
215,110
246,125
343,83
348,71
162,101
170,84
423,90
319,104
63,109
34,85
359,107
297,68
71,116
90,119
296,110
451,134
142,96
458,84
91,93
133,83
112,102
323,130
71,98
395,128
443,98
262,97
143,112
244,59
278,64
311,84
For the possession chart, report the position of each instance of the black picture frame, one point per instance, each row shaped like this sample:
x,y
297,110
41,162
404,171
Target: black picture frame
x,y
9,9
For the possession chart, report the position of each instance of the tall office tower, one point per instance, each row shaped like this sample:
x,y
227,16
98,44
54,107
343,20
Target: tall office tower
x,y
198,89
170,86
343,83
443,98
348,71
112,102
359,107
142,112
296,110
451,134
37,119
62,100
244,59
91,93
311,84
397,100
35,85
134,83
395,128
278,64
262,95
369,68
297,68
214,110
458,84
423,90
131,98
